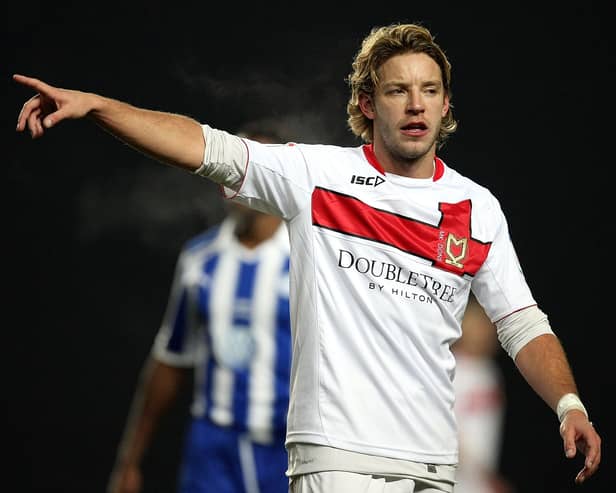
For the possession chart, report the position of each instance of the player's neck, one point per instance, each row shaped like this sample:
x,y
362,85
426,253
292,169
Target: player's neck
x,y
421,167
412,169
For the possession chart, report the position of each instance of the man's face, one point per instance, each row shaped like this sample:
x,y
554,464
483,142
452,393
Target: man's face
x,y
407,107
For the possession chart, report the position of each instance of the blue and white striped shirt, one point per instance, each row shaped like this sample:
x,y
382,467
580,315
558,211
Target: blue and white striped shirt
x,y
228,316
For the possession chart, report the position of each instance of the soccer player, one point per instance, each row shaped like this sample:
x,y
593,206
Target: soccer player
x,y
227,320
387,242
479,406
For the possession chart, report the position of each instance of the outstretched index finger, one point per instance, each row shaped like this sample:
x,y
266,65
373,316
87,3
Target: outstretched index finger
x,y
36,84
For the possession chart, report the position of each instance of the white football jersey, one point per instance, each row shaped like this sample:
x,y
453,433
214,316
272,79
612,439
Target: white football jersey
x,y
381,268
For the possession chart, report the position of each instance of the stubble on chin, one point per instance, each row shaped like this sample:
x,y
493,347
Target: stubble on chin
x,y
405,153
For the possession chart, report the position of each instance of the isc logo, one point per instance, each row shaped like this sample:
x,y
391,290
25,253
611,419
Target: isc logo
x,y
372,181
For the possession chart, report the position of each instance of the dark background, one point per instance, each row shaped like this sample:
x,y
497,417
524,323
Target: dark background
x,y
93,228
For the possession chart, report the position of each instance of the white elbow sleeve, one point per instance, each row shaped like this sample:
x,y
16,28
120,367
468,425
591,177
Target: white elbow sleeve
x,y
225,158
517,329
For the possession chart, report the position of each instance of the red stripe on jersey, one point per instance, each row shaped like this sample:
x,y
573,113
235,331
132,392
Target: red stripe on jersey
x,y
448,246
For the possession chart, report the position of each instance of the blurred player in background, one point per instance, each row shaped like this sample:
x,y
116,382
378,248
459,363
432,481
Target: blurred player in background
x,y
480,405
227,320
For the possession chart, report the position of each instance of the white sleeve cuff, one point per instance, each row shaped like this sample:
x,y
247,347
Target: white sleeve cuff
x,y
518,329
225,158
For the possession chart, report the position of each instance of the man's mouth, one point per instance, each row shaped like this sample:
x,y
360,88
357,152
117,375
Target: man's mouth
x,y
415,129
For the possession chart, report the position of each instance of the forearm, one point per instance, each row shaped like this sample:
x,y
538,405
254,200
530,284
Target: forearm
x,y
544,365
157,390
173,139
137,435
170,138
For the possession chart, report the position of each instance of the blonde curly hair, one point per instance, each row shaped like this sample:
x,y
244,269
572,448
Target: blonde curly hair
x,y
379,46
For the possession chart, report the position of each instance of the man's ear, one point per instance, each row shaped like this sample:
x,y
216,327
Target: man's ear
x,y
366,106
445,107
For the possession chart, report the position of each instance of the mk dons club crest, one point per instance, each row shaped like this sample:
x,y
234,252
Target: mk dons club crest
x,y
456,250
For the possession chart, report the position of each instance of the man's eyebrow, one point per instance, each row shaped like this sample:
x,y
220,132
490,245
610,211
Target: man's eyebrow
x,y
400,82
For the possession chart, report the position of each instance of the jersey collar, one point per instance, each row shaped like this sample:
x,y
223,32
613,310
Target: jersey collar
x,y
439,167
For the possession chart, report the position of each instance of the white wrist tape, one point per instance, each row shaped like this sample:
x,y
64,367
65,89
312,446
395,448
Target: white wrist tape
x,y
568,402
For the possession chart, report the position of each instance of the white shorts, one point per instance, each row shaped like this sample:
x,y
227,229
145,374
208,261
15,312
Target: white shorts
x,y
339,481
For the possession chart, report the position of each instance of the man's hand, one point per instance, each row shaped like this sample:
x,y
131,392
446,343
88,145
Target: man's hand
x,y
578,434
50,106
